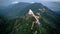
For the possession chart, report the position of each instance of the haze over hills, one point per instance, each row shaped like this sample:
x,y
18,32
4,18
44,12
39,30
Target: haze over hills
x,y
45,13
54,6
50,19
14,9
21,9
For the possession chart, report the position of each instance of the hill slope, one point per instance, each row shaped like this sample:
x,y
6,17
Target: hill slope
x,y
49,20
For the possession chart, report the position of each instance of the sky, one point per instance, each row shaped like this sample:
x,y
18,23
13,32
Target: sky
x,y
7,2
50,5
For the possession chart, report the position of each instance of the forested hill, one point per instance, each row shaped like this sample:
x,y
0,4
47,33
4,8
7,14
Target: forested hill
x,y
19,22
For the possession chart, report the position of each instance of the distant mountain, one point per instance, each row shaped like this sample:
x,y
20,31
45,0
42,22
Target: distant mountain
x,y
21,9
55,6
47,16
13,9
58,12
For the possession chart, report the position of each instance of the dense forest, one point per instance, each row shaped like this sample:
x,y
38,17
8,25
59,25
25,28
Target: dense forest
x,y
21,25
14,19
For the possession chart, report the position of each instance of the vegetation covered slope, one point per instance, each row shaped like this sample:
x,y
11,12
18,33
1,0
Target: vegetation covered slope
x,y
21,26
50,21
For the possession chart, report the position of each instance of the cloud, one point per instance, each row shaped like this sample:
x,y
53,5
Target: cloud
x,y
53,0
15,2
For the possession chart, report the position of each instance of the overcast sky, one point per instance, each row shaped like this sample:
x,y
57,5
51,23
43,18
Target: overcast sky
x,y
2,2
8,2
